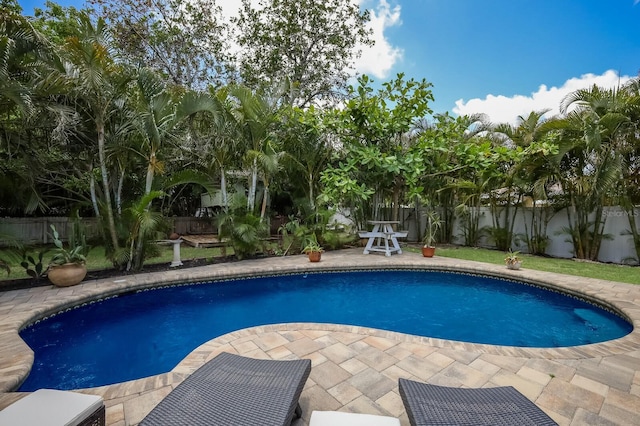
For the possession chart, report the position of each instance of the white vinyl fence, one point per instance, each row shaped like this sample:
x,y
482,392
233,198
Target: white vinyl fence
x,y
616,248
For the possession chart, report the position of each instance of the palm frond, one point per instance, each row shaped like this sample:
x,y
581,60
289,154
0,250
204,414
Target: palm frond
x,y
183,177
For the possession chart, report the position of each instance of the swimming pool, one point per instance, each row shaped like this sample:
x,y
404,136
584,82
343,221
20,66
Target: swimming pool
x,y
149,332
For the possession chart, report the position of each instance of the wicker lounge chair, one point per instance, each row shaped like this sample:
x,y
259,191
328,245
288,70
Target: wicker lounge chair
x,y
438,405
234,390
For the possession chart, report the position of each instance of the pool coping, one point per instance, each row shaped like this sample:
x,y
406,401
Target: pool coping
x,y
45,301
21,307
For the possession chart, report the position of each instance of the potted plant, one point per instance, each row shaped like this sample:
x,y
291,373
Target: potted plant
x,y
434,223
512,260
313,249
67,266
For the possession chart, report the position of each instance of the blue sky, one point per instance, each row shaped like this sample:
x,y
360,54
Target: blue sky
x,y
508,56
502,57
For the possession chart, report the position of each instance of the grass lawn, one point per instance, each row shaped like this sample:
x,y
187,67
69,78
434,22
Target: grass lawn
x,y
604,271
626,274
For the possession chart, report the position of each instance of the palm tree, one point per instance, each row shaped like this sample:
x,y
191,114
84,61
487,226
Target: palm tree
x,y
21,47
269,162
97,84
144,224
589,162
256,116
630,148
532,176
307,148
158,120
216,136
28,115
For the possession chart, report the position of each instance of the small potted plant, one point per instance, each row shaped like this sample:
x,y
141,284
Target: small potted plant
x,y
313,249
67,266
434,223
512,260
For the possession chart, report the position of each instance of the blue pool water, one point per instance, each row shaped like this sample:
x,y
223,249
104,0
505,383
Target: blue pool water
x,y
149,332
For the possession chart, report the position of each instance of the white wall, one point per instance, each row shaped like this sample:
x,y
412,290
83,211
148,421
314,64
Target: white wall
x,y
618,249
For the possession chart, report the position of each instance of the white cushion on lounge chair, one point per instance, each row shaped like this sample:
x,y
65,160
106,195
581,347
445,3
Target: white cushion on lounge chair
x,y
50,407
337,418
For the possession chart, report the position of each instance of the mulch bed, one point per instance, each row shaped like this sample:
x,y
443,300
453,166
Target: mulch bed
x,y
24,283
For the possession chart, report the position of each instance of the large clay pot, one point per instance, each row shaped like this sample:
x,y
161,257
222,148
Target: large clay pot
x,y
67,275
314,256
428,251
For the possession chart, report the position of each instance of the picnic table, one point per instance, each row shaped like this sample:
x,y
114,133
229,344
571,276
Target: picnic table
x,y
381,235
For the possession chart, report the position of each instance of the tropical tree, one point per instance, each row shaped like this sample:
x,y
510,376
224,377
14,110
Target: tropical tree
x,y
57,22
215,136
184,41
533,176
245,230
311,44
306,141
256,116
22,47
590,162
630,151
158,116
374,130
97,86
35,148
143,224
530,177
447,149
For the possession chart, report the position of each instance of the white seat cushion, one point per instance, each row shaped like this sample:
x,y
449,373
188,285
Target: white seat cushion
x,y
337,418
48,407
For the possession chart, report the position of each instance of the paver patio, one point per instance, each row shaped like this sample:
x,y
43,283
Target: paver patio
x,y
356,368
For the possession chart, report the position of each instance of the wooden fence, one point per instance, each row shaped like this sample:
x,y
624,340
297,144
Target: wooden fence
x,y
36,231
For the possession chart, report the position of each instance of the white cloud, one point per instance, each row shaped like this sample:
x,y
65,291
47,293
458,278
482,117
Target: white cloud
x,y
503,109
382,56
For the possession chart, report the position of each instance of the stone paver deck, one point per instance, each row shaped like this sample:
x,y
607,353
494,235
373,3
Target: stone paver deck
x,y
356,368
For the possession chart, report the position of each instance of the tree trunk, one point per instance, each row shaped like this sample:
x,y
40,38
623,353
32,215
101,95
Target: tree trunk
x,y
94,199
312,201
105,184
223,189
251,199
265,197
138,257
395,212
119,193
575,237
598,231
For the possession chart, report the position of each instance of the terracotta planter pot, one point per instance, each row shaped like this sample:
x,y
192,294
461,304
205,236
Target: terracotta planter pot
x,y
314,256
428,251
67,275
